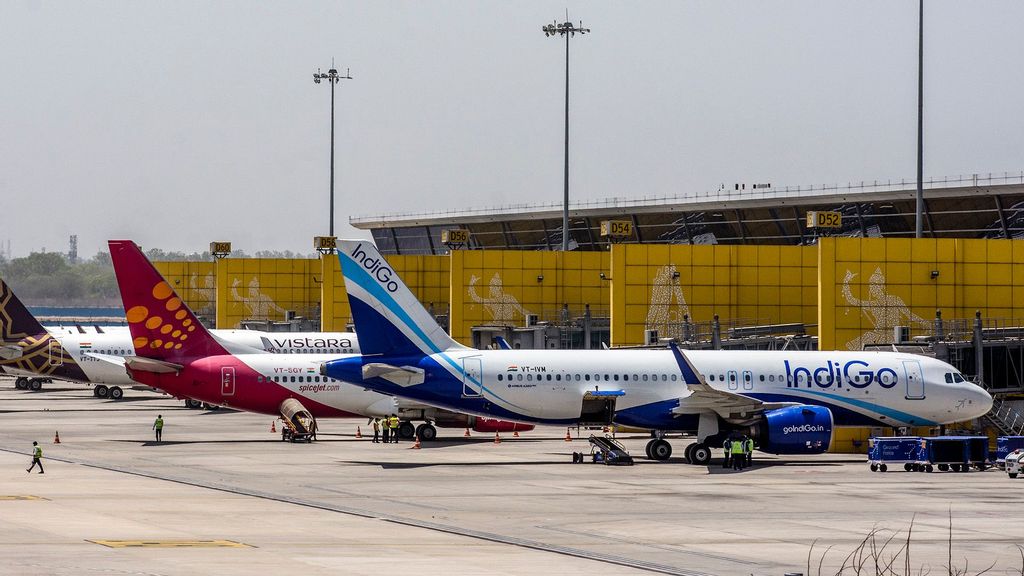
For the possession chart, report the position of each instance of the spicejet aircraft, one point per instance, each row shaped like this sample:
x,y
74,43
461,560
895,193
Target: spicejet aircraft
x,y
175,353
787,401
35,354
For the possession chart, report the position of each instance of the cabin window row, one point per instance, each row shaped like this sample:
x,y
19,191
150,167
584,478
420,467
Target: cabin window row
x,y
317,351
589,377
286,379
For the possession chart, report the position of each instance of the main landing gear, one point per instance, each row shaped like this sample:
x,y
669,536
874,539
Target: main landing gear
x,y
697,453
113,392
33,384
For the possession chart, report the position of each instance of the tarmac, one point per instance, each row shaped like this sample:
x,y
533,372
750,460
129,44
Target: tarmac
x,y
223,495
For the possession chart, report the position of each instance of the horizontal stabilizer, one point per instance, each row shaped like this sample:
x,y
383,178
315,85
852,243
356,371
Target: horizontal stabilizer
x,y
115,360
10,352
143,364
401,375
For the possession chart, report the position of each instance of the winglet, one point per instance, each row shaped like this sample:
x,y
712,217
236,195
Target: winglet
x,y
162,326
690,375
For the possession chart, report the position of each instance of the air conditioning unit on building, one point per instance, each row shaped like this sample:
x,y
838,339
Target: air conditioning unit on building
x,y
531,320
650,337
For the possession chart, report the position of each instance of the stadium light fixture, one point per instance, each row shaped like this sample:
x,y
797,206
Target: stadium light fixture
x,y
332,77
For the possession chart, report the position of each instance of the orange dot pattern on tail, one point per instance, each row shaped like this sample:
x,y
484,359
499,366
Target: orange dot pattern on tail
x,y
166,320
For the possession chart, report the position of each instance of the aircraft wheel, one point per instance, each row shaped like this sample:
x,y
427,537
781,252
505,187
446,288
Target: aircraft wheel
x,y
21,383
661,450
426,432
101,391
116,393
211,407
687,451
700,454
647,450
406,430
193,404
882,467
35,384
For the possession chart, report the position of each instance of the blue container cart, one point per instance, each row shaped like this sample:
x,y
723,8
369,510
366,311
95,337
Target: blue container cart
x,y
956,453
894,451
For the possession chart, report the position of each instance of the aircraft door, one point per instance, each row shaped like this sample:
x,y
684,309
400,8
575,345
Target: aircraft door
x,y
55,356
915,380
227,381
733,383
748,380
472,377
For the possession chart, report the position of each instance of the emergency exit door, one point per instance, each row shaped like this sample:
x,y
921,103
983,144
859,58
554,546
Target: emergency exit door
x,y
915,380
56,353
227,381
472,377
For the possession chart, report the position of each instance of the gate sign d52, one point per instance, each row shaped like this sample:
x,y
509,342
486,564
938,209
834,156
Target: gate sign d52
x,y
824,219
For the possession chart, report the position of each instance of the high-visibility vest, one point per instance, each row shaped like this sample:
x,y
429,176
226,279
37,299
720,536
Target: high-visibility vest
x,y
393,422
38,452
728,446
159,424
748,446
737,446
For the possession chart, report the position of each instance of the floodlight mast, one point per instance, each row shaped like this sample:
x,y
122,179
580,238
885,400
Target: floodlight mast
x,y
333,78
568,30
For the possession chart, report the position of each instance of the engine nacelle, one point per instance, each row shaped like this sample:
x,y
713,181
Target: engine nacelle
x,y
796,430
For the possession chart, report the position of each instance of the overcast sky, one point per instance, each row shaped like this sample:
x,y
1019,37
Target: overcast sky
x,y
178,123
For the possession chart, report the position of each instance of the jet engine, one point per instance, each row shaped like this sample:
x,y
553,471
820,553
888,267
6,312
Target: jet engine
x,y
801,429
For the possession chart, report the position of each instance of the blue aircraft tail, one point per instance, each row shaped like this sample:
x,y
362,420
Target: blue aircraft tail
x,y
389,319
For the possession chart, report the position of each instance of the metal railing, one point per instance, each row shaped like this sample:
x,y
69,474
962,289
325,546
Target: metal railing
x,y
1006,418
722,195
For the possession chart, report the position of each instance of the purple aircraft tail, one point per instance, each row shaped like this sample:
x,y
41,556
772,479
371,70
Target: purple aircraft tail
x,y
26,346
16,322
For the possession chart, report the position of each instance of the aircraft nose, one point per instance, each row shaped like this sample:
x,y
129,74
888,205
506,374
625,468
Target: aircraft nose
x,y
981,401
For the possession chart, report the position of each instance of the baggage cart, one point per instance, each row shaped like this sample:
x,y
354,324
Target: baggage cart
x,y
894,451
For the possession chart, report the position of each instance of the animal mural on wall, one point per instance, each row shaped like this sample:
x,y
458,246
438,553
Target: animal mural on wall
x,y
883,310
667,304
259,305
503,308
202,293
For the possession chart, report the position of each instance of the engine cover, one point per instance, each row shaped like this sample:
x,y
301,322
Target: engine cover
x,y
797,430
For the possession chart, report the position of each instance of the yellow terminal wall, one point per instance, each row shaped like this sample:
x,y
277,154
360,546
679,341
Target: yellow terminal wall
x,y
264,288
869,286
654,286
195,283
500,287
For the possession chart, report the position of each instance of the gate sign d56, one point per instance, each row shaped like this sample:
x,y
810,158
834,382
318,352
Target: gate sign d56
x,y
824,219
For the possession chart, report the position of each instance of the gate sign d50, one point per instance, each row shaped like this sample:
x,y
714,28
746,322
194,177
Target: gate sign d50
x,y
824,219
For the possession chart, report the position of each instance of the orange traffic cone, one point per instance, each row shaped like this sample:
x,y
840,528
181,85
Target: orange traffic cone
x,y
515,433
359,433
272,427
466,435
497,438
417,444
605,430
568,437
56,437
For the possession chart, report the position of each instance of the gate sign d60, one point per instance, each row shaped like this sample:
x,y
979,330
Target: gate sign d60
x,y
824,219
616,228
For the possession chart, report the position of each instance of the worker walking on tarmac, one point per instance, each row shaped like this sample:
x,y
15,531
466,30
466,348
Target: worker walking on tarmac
x,y
748,449
393,424
737,453
376,430
159,427
727,445
37,457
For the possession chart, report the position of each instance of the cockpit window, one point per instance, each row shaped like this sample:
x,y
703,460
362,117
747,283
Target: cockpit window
x,y
949,377
957,377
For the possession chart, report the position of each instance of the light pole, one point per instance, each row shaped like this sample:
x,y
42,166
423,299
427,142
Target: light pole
x,y
568,30
919,224
333,78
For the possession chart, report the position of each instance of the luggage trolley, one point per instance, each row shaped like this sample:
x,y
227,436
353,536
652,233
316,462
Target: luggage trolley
x,y
894,451
956,453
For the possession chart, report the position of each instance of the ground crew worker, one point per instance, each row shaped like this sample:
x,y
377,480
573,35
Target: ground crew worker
x,y
159,427
376,430
393,424
37,457
737,454
385,430
748,449
727,445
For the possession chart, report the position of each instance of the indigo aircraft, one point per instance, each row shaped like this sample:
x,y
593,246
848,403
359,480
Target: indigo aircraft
x,y
787,401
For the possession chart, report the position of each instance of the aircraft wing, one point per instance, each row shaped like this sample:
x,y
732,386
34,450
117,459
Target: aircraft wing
x,y
705,398
401,375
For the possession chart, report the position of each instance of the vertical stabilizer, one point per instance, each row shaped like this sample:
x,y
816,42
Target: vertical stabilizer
x,y
16,322
162,326
388,317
